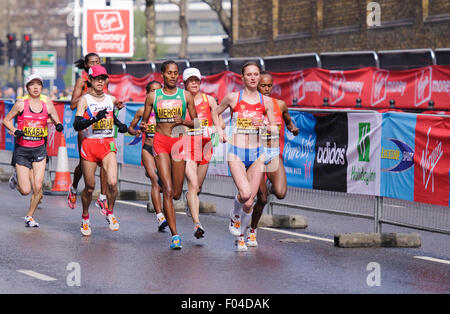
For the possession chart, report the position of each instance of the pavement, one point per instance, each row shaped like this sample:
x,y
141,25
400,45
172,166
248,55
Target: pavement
x,y
137,258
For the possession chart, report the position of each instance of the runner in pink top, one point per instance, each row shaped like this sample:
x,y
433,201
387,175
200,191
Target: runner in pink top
x,y
30,154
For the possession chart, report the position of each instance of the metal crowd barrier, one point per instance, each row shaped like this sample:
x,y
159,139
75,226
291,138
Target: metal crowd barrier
x,y
347,60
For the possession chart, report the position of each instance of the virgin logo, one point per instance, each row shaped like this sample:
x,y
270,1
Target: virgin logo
x,y
429,161
108,21
379,81
337,80
298,86
423,86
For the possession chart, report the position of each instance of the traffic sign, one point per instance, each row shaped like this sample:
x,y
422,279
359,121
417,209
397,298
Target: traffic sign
x,y
44,64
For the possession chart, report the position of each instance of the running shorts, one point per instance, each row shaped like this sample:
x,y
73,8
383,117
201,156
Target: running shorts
x,y
95,149
247,155
199,149
173,146
25,156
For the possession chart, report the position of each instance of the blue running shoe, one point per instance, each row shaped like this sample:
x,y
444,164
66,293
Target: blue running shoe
x,y
176,242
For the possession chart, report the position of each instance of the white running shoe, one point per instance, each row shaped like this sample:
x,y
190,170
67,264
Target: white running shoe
x,y
85,227
13,180
251,237
112,221
235,224
30,222
240,243
162,223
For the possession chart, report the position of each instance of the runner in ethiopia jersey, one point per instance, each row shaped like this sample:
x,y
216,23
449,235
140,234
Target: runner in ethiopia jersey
x,y
276,182
30,153
95,116
82,86
199,148
245,152
170,104
147,155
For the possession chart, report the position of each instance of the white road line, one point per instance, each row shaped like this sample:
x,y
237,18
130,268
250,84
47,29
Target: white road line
x,y
36,275
431,259
270,229
130,203
298,234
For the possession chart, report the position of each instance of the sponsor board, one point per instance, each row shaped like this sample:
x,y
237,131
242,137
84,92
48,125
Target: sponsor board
x,y
330,163
299,151
363,154
432,160
397,155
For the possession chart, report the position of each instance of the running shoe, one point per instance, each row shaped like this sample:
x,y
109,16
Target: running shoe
x,y
251,237
72,198
162,223
176,242
235,224
240,243
30,222
13,180
103,205
85,227
199,231
112,221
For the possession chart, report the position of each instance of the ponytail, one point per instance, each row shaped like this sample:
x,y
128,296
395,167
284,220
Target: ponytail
x,y
81,63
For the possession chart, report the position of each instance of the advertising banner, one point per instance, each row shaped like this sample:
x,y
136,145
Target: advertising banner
x,y
330,163
397,155
108,32
410,89
363,153
432,160
299,151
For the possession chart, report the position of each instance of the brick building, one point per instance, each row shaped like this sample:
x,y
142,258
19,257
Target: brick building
x,y
279,27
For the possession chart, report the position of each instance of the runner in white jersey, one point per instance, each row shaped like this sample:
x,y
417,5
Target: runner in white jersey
x,y
95,116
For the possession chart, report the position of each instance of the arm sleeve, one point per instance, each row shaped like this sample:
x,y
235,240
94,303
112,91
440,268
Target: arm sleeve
x,y
121,126
80,124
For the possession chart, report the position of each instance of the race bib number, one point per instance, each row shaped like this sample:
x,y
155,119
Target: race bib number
x,y
34,133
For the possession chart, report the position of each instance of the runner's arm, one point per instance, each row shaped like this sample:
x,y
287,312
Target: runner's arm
x,y
270,115
9,118
190,104
148,107
137,117
80,123
287,118
213,104
217,112
53,114
77,93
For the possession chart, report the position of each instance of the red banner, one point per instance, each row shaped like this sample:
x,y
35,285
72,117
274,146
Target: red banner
x,y
432,160
410,89
54,138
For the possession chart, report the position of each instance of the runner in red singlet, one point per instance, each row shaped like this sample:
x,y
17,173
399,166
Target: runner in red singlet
x,y
199,148
245,152
276,176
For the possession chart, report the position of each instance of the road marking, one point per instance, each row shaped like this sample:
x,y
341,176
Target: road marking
x,y
130,203
36,275
431,259
298,234
270,229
